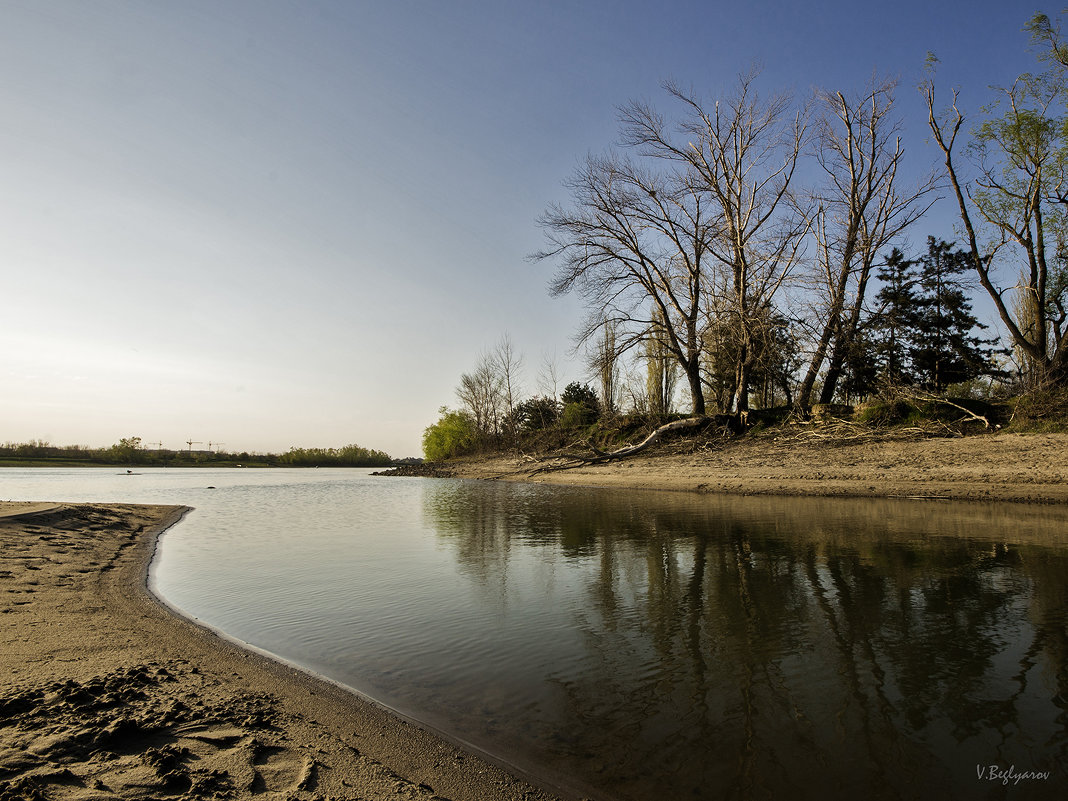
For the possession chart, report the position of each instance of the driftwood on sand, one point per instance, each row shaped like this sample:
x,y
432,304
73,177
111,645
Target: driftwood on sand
x,y
600,456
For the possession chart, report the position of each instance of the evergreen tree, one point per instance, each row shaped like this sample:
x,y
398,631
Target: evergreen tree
x,y
944,351
580,405
896,320
860,373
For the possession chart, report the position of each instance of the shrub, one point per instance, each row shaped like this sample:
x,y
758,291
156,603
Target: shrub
x,y
886,412
349,456
1042,409
577,415
454,434
582,394
537,413
581,407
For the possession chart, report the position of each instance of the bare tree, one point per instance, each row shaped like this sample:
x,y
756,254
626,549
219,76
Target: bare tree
x,y
549,376
860,209
637,234
602,362
480,392
1019,203
508,363
633,385
740,157
661,374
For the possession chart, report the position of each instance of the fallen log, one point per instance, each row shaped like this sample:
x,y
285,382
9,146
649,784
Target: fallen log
x,y
969,414
599,456
653,438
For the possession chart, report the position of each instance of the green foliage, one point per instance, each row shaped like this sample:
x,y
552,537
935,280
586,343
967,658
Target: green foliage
x,y
35,448
888,412
577,415
944,350
537,414
1041,410
661,370
897,319
127,450
580,393
348,456
761,420
581,407
860,372
923,334
454,434
1047,36
908,411
1014,210
773,357
130,451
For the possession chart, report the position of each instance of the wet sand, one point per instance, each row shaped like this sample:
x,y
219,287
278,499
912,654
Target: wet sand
x,y
107,694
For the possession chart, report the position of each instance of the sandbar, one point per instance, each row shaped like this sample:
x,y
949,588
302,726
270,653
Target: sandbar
x,y
1025,468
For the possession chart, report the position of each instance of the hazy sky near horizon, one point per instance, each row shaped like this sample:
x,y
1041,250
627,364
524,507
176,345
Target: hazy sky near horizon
x,y
274,224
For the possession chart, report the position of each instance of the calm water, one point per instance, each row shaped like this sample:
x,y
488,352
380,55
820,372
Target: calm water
x,y
646,646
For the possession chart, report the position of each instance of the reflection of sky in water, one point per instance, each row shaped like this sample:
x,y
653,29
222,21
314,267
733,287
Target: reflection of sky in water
x,y
646,645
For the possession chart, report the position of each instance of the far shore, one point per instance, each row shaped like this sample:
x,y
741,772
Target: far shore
x,y
106,693
1030,468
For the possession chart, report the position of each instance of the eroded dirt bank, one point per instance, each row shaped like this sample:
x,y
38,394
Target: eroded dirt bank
x,y
1008,467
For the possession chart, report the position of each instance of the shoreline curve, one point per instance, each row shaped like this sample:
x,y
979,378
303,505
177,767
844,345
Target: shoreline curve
x,y
110,689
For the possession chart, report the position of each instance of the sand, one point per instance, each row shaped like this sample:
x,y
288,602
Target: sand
x,y
994,467
107,694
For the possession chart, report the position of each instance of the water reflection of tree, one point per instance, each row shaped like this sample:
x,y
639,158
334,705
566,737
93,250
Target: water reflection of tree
x,y
740,658
1048,651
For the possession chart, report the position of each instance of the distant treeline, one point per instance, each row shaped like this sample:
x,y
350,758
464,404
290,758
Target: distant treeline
x,y
130,451
349,456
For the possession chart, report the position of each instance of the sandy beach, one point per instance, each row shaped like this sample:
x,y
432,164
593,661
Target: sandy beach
x,y
995,467
106,694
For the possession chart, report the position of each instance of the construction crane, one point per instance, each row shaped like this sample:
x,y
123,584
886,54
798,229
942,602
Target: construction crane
x,y
191,443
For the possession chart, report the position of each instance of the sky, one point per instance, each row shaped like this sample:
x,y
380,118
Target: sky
x,y
267,224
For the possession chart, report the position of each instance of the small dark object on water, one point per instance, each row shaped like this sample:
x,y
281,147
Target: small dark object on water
x,y
211,487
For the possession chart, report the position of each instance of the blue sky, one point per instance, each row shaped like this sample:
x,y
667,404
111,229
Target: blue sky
x,y
272,224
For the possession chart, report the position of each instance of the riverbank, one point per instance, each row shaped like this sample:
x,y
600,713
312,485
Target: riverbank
x,y
991,467
104,692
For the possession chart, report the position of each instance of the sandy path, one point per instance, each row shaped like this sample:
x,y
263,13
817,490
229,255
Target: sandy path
x,y
104,694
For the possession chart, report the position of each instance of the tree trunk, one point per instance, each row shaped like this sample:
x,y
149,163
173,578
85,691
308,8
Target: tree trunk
x,y
741,391
834,372
693,376
804,394
845,337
